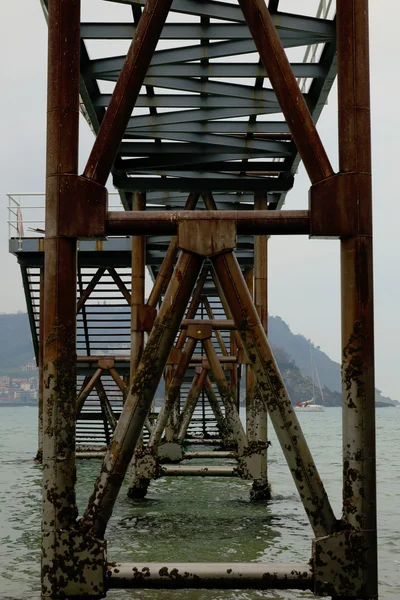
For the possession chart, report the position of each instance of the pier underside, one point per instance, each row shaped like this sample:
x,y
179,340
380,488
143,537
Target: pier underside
x,y
201,113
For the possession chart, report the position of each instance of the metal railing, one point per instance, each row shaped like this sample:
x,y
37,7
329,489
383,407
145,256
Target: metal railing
x,y
311,55
26,215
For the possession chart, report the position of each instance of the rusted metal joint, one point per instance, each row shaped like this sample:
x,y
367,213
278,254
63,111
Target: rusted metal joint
x,y
82,206
339,565
331,206
143,317
174,356
73,564
202,331
106,363
207,238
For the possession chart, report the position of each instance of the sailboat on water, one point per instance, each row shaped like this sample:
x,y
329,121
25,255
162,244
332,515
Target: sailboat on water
x,y
310,405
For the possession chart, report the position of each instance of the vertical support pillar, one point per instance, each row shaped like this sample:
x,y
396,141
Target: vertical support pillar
x,y
250,379
39,455
138,486
359,470
233,373
63,575
261,489
138,287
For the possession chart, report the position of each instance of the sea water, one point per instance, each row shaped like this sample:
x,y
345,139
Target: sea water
x,y
196,519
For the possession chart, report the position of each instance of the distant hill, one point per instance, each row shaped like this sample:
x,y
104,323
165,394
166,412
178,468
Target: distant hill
x,y
291,351
298,348
16,348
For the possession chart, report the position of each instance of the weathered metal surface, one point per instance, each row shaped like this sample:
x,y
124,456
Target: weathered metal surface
x,y
141,392
167,265
258,442
190,404
274,394
359,462
209,576
126,90
137,287
197,471
216,324
172,392
248,222
339,566
287,89
232,417
60,565
223,427
80,401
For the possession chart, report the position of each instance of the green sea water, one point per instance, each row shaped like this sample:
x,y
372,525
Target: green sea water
x,y
196,519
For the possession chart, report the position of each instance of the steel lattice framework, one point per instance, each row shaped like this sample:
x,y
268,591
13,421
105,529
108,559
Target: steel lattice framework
x,y
202,120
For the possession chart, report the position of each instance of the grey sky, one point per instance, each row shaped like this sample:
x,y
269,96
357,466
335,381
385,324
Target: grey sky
x,y
304,274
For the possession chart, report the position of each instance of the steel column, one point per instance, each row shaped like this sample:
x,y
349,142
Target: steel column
x,y
274,394
359,466
137,287
60,273
142,391
261,489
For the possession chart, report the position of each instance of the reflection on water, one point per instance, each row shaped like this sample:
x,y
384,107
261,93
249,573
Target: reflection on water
x,y
196,519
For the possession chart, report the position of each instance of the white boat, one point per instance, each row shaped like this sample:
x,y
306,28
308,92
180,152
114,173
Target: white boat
x,y
310,405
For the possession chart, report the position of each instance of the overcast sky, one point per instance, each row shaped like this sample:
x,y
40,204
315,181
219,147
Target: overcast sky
x,y
304,274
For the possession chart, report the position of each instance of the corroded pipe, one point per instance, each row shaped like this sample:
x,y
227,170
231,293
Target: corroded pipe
x,y
210,576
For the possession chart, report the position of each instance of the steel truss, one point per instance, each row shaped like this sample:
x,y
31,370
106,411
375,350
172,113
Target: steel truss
x,y
203,155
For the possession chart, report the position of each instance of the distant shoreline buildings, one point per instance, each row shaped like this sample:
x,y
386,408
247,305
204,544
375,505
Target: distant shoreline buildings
x,y
17,390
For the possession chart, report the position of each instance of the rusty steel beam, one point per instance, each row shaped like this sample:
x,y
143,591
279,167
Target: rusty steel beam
x,y
198,471
89,289
233,373
173,410
287,90
173,390
274,394
190,404
167,266
59,510
120,285
359,454
141,392
231,413
137,295
193,306
216,324
249,222
219,417
126,91
85,391
250,379
213,576
105,403
114,374
261,489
